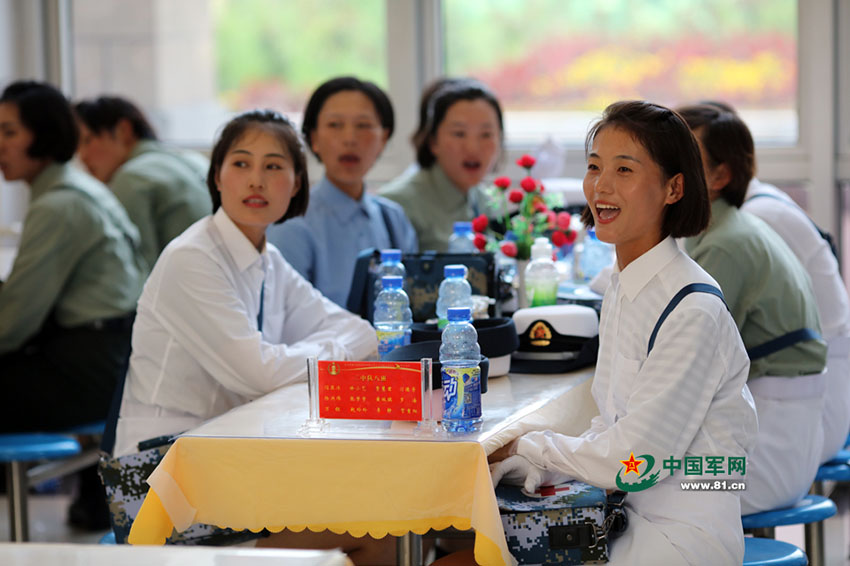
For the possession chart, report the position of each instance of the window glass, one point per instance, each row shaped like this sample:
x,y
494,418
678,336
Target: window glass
x,y
555,64
191,64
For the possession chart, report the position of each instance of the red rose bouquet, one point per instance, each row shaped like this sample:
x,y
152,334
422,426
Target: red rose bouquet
x,y
515,217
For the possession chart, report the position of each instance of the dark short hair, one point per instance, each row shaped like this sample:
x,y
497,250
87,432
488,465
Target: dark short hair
x,y
104,113
726,139
383,106
278,125
443,99
424,103
670,143
45,112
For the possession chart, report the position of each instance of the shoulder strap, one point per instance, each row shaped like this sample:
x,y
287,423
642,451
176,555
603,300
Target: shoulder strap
x,y
359,297
823,234
782,342
677,298
394,243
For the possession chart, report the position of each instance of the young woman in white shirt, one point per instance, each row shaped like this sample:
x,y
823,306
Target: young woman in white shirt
x,y
223,319
685,397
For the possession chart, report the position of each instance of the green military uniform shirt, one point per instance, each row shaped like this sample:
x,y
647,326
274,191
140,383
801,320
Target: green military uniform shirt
x,y
78,258
164,192
766,288
433,204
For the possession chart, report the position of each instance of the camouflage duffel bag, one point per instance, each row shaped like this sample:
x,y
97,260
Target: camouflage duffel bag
x,y
124,479
570,523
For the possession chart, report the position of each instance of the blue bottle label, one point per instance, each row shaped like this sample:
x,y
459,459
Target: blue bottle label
x,y
461,393
390,340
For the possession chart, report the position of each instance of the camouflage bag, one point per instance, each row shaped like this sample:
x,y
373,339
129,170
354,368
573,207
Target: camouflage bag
x,y
124,479
570,523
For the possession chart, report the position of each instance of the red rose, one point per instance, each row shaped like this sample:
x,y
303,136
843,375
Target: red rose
x,y
541,187
564,220
528,184
526,161
509,249
480,241
502,182
539,206
480,222
571,236
550,218
515,196
559,239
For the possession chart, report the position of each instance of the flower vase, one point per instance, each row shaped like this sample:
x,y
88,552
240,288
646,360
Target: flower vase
x,y
519,283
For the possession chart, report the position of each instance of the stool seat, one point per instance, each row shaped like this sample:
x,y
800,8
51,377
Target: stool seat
x,y
92,429
810,509
833,472
25,447
842,457
769,552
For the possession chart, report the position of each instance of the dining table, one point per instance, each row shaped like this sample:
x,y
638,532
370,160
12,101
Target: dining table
x,y
256,468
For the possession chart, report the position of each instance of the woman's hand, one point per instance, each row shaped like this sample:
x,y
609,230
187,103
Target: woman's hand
x,y
504,452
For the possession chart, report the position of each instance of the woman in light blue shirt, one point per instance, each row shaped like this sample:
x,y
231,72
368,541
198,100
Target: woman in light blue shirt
x,y
347,123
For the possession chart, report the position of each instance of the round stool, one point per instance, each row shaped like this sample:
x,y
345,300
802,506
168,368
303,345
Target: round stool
x,y
809,511
769,552
18,449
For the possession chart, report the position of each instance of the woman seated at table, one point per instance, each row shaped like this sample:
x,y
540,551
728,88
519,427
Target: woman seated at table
x,y
687,396
462,141
223,319
347,123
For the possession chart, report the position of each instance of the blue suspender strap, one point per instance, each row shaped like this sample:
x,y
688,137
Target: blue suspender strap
x,y
260,314
677,298
784,341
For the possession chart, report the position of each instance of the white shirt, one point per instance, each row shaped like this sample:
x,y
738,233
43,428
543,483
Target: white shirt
x,y
796,229
197,350
687,398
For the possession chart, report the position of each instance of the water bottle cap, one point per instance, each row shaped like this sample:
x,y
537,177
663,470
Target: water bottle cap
x,y
541,249
457,313
390,255
391,281
462,227
454,270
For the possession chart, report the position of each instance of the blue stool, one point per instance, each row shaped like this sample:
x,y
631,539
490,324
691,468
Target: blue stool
x,y
18,449
108,538
811,511
769,552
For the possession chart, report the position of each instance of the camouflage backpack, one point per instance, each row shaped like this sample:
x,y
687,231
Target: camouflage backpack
x,y
570,523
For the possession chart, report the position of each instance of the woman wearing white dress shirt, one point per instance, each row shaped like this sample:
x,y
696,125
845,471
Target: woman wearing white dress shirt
x,y
686,397
223,319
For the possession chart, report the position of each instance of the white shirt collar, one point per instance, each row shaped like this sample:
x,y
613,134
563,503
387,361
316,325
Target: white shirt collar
x,y
238,245
640,271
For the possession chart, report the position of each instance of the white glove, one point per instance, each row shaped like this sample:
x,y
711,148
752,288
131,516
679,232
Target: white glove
x,y
517,470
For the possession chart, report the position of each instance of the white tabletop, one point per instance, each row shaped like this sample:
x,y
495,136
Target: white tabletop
x,y
513,405
45,554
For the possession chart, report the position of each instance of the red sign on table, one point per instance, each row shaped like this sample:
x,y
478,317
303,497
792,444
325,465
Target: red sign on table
x,y
387,391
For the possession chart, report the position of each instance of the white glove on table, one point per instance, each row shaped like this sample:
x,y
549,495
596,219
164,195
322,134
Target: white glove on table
x,y
517,470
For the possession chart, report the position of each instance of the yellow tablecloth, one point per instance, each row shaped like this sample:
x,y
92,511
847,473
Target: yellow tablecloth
x,y
356,486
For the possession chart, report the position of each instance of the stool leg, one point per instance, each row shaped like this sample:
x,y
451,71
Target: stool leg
x,y
764,532
16,484
815,543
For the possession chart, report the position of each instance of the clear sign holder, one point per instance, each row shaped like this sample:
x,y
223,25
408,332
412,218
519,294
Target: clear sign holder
x,y
425,428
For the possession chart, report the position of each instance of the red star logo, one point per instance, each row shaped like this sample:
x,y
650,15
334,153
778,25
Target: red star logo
x,y
632,464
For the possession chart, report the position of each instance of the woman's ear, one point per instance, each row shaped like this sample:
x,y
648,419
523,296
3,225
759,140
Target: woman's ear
x,y
218,180
718,177
675,189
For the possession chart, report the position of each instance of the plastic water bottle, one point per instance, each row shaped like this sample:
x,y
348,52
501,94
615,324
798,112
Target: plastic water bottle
x,y
454,291
541,275
459,356
392,316
595,256
462,239
390,265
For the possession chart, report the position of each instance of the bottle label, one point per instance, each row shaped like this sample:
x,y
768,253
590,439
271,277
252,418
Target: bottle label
x,y
390,340
461,393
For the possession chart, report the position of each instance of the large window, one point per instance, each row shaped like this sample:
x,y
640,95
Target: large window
x,y
555,64
191,63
